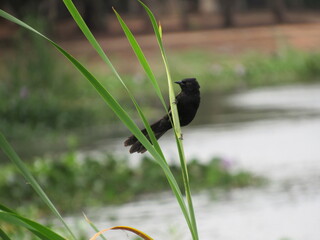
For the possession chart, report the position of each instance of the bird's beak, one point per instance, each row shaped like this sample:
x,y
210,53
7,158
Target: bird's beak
x,y
178,82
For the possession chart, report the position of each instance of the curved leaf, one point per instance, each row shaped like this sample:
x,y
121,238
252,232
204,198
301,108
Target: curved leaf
x,y
125,228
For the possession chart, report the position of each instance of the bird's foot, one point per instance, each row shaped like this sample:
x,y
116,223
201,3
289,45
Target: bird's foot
x,y
181,136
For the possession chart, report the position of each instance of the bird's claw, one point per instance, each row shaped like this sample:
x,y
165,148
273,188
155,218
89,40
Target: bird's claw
x,y
181,137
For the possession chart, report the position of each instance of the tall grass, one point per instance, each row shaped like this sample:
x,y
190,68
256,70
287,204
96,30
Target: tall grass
x,y
153,146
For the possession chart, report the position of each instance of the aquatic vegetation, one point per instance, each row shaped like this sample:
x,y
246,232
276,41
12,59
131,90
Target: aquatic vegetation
x,y
110,180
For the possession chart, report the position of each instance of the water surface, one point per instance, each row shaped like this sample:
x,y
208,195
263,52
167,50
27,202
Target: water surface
x,y
274,132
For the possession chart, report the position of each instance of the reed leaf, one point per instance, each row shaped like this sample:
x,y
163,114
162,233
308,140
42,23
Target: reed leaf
x,y
123,228
3,235
7,215
37,229
141,57
177,129
93,226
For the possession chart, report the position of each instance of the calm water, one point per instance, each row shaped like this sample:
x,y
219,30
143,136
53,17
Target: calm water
x,y
273,132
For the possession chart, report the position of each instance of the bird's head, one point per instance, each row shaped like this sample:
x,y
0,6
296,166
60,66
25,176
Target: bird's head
x,y
189,85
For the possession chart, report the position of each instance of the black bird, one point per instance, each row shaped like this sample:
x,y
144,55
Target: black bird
x,y
187,101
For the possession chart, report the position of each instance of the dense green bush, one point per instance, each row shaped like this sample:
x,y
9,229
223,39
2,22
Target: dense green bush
x,y
73,183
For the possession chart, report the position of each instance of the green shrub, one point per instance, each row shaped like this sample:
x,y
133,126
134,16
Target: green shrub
x,y
73,183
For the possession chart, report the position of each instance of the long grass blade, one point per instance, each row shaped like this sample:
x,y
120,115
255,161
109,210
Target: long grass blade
x,y
41,231
125,228
173,106
13,156
176,122
141,57
5,209
93,226
144,63
3,235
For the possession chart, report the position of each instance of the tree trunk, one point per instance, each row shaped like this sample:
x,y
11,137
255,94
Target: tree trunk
x,y
278,9
180,9
49,8
95,15
227,10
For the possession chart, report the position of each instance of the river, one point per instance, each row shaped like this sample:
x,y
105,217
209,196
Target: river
x,y
274,132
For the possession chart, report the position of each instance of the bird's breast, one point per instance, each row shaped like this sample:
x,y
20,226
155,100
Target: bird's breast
x,y
187,109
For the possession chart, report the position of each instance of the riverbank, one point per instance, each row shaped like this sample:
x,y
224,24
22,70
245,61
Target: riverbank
x,y
39,108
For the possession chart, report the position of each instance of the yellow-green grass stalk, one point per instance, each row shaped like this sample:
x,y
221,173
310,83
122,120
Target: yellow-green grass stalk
x,y
42,232
3,235
93,226
177,129
141,57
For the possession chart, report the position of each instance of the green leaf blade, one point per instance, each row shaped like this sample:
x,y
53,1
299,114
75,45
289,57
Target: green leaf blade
x,y
176,123
38,229
141,57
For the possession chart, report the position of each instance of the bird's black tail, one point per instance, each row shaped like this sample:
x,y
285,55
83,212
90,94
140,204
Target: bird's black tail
x,y
159,128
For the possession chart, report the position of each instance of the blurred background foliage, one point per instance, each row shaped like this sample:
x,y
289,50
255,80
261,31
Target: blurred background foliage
x,y
96,11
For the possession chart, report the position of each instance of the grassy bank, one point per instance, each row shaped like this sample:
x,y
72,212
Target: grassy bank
x,y
73,183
